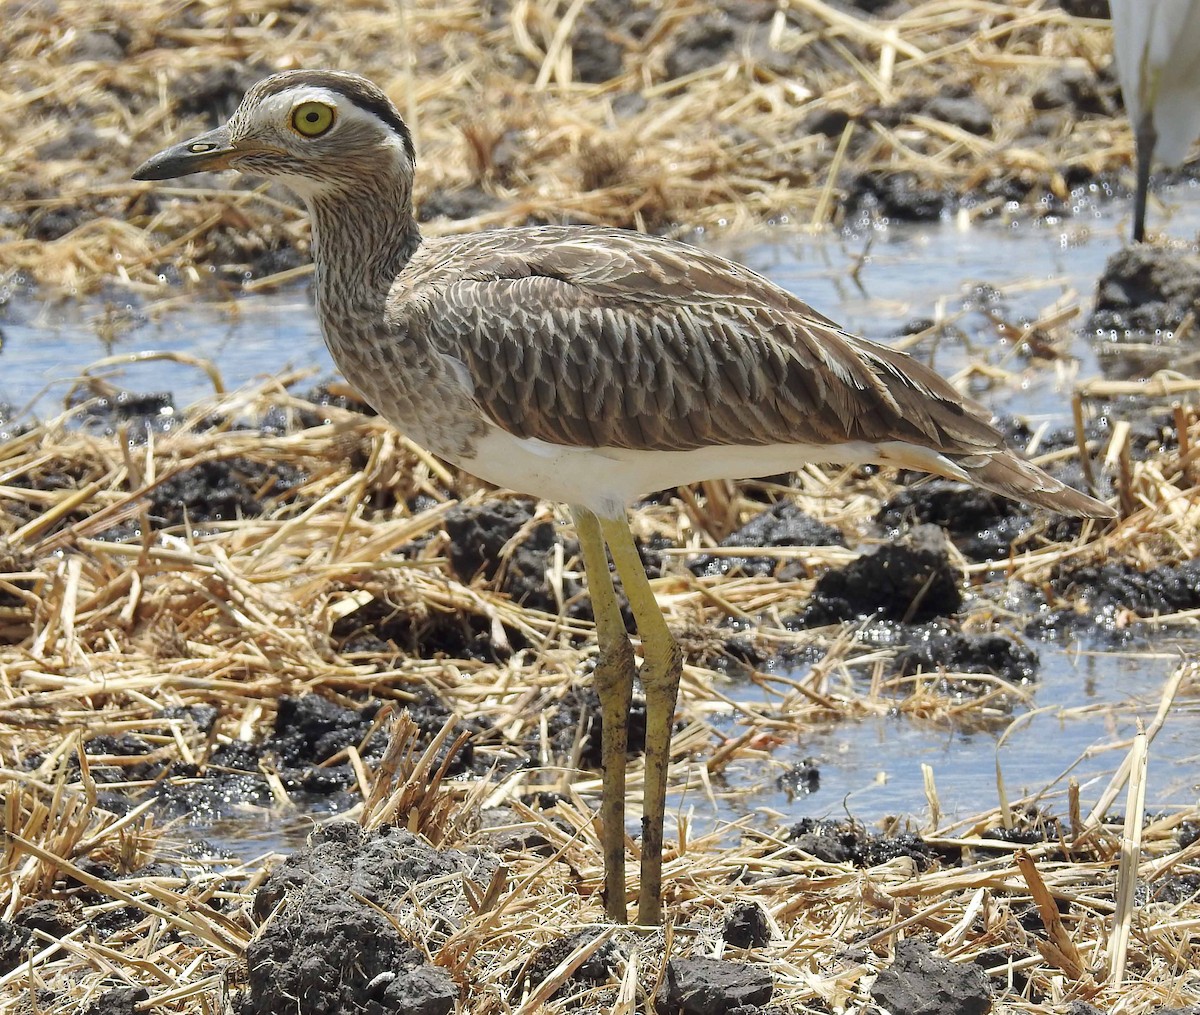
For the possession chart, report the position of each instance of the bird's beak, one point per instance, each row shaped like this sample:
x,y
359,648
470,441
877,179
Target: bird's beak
x,y
204,153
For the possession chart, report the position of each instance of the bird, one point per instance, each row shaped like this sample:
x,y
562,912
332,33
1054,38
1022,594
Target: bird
x,y
592,366
1156,44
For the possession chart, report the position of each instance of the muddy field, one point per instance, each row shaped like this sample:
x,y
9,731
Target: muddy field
x,y
269,606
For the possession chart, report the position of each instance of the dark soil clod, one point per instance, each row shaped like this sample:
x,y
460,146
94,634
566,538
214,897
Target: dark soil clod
x,y
48,916
847,842
310,729
746,926
582,705
148,412
383,628
803,778
899,197
1108,590
597,969
703,986
1145,290
921,983
479,536
13,941
119,1001
895,582
332,938
784,524
982,525
932,647
221,489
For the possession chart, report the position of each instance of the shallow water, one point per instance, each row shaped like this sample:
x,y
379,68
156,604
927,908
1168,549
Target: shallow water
x,y
1081,715
975,276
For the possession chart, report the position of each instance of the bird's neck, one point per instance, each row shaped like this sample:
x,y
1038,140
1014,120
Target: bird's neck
x,y
362,241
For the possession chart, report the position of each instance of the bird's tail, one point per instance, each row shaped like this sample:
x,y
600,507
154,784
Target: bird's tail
x,y
1008,474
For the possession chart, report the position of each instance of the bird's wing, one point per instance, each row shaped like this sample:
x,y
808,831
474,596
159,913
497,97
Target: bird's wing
x,y
609,339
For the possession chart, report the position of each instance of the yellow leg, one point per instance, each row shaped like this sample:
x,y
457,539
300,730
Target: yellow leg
x,y
613,681
661,670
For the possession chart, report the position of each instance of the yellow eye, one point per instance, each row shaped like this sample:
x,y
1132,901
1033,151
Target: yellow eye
x,y
312,119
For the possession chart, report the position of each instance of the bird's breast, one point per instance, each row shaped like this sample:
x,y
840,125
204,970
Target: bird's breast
x,y
410,385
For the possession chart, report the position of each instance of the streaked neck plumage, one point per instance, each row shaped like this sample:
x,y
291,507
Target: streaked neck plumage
x,y
364,233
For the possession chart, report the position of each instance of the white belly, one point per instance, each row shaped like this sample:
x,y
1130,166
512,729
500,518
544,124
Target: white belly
x,y
606,480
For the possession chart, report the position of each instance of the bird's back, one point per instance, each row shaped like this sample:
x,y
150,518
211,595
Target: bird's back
x,y
607,338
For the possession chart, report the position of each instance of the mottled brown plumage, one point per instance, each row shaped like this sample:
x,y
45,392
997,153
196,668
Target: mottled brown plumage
x,y
588,365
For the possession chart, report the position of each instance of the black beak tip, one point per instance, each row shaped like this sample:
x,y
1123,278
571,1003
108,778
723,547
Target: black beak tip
x,y
158,167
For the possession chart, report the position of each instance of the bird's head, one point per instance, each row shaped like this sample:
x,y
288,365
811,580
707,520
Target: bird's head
x,y
317,131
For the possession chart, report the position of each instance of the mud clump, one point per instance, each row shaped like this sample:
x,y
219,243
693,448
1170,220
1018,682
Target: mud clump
x,y
221,489
800,779
784,524
596,969
337,911
1172,890
933,647
900,197
151,412
1145,291
13,943
746,926
580,706
848,842
896,582
341,956
383,628
119,1001
982,525
499,542
1108,590
229,780
50,917
921,983
1166,589
484,542
703,986
309,731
